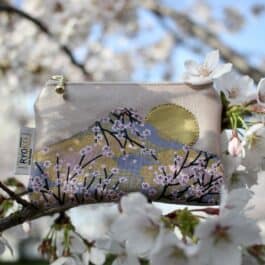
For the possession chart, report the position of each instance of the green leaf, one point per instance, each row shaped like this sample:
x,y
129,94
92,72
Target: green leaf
x,y
184,220
5,206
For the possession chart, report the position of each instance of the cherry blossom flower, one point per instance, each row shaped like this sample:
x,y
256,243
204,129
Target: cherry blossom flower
x,y
146,132
256,203
205,73
94,255
45,149
47,163
261,92
236,88
98,137
123,179
221,238
223,235
235,200
86,150
170,250
69,260
254,142
124,257
115,170
145,185
77,169
138,225
106,151
96,129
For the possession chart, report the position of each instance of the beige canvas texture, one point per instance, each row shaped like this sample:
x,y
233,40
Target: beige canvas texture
x,y
58,118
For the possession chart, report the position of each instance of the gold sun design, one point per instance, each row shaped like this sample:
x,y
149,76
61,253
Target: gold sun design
x,y
174,122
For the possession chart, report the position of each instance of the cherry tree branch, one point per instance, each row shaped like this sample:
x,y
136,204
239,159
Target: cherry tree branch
x,y
28,213
200,32
44,29
15,197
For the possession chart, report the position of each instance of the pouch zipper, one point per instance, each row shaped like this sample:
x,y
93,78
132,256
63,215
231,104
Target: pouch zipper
x,y
61,80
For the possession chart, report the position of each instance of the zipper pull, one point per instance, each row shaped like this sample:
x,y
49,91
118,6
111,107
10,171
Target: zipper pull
x,y
60,86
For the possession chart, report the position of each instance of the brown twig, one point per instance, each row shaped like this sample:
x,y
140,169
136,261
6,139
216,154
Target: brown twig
x,y
30,213
43,28
14,196
208,37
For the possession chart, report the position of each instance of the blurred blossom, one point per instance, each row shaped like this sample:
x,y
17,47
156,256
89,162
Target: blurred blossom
x,y
4,245
138,224
69,260
261,92
222,235
233,19
95,256
123,257
170,250
256,204
254,142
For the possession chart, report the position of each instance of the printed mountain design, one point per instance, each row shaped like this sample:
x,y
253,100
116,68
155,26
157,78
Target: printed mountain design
x,y
123,153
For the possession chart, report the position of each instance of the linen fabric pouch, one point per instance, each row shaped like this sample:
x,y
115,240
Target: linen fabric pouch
x,y
95,142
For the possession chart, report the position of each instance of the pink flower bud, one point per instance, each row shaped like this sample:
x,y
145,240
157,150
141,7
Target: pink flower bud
x,y
235,147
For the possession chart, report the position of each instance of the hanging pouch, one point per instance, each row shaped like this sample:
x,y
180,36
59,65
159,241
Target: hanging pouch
x,y
95,142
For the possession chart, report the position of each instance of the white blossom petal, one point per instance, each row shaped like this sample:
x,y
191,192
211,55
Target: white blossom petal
x,y
261,92
5,244
170,250
110,245
139,231
133,202
97,256
236,200
126,260
71,260
226,254
257,202
212,59
221,70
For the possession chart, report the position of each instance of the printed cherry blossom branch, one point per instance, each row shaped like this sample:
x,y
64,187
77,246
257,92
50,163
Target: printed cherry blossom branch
x,y
46,189
176,173
44,29
207,187
127,138
87,164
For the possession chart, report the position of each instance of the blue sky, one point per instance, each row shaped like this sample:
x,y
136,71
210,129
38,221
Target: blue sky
x,y
249,41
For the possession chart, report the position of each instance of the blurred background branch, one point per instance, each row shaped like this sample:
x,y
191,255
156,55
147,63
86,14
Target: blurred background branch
x,y
12,10
200,32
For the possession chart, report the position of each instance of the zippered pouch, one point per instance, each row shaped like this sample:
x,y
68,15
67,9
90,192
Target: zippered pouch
x,y
95,142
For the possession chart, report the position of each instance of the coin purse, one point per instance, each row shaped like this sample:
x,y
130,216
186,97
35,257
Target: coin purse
x,y
95,142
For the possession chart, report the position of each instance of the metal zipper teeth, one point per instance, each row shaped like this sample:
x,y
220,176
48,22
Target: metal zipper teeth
x,y
85,83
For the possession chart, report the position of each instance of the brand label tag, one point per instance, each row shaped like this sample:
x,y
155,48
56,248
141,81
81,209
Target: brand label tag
x,y
25,151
